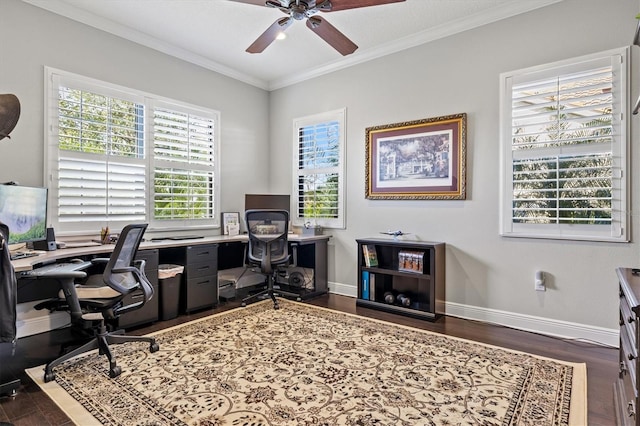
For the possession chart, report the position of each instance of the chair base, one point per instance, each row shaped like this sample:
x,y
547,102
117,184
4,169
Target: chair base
x,y
272,293
101,342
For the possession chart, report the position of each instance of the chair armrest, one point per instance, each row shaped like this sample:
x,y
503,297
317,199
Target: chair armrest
x,y
100,260
140,264
67,284
140,276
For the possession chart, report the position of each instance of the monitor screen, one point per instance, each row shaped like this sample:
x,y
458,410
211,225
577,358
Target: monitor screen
x,y
267,201
24,210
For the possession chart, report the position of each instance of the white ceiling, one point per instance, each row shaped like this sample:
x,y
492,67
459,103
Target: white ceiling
x,y
215,33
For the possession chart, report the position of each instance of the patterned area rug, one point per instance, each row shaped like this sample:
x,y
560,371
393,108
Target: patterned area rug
x,y
304,365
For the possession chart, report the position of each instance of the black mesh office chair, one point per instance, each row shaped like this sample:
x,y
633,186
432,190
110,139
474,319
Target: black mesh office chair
x,y
101,299
268,248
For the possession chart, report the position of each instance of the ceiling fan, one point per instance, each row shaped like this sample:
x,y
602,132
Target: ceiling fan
x,y
306,9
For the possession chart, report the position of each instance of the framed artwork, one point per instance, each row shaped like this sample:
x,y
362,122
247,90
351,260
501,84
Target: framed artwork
x,y
417,160
230,223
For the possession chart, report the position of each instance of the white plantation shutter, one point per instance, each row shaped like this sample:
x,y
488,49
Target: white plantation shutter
x,y
564,149
183,137
100,191
319,169
184,164
116,156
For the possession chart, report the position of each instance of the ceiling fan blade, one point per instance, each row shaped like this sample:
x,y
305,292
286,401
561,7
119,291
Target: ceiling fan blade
x,y
267,37
256,2
351,4
331,35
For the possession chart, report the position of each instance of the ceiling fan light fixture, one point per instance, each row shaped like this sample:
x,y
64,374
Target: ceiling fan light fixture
x,y
298,10
281,35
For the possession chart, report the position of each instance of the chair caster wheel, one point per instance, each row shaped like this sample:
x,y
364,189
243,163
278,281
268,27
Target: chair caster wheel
x,y
243,304
115,372
276,306
154,348
49,376
298,299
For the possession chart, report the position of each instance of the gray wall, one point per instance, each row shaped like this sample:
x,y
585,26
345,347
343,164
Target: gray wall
x,y
31,38
461,74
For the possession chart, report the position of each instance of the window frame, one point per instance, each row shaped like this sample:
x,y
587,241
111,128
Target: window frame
x,y
618,230
54,78
338,115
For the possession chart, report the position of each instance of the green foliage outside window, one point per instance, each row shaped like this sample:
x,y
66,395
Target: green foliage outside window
x,y
91,123
99,124
571,189
318,191
180,195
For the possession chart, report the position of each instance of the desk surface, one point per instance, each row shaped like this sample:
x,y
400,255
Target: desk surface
x,y
26,264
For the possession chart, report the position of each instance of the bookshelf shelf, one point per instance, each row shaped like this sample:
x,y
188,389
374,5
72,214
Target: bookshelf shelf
x,y
408,277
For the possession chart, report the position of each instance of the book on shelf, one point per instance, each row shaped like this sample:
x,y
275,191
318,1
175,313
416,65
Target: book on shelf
x,y
372,286
411,261
370,255
365,285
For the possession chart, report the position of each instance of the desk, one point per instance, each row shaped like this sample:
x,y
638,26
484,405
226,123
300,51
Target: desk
x,y
28,263
310,250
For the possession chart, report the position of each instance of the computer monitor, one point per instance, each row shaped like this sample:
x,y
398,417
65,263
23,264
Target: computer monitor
x,y
24,210
267,201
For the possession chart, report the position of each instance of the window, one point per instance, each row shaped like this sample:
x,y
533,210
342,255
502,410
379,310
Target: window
x,y
319,165
564,149
116,156
183,156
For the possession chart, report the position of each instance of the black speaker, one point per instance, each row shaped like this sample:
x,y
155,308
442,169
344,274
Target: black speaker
x,y
49,244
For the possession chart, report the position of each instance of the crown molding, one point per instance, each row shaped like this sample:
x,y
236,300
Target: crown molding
x,y
64,9
488,16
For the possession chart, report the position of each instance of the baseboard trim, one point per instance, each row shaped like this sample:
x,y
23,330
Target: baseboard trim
x,y
343,289
546,326
31,321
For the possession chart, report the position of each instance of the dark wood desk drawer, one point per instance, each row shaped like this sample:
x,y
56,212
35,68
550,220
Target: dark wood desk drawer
x,y
202,269
624,402
201,254
628,318
200,279
625,388
201,293
629,354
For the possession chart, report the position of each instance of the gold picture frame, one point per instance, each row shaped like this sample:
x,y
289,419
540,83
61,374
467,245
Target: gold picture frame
x,y
417,160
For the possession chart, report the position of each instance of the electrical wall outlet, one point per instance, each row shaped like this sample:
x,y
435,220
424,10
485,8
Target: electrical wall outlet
x,y
539,281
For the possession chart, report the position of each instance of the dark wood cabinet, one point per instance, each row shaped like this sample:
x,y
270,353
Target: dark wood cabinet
x,y
405,277
625,388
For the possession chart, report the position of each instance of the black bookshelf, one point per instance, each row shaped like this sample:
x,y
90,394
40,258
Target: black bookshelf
x,y
404,277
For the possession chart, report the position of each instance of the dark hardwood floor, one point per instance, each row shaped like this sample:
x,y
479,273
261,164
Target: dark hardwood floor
x,y
32,407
